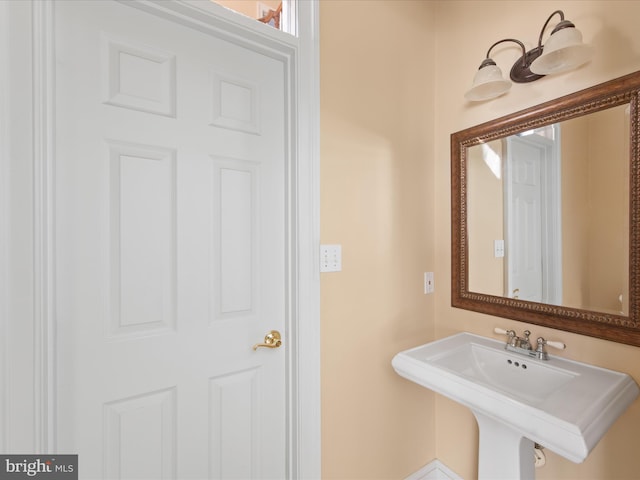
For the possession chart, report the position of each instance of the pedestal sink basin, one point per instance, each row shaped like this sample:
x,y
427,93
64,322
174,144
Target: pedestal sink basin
x,y
563,405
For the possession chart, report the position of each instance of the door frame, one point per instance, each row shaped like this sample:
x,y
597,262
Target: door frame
x,y
301,54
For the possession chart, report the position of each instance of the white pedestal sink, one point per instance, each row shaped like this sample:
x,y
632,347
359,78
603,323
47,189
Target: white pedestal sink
x,y
563,405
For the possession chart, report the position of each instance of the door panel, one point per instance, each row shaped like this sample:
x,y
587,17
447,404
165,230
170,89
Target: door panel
x,y
170,248
523,207
532,215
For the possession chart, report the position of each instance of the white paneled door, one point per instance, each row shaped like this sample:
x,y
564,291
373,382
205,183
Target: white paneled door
x,y
170,248
523,180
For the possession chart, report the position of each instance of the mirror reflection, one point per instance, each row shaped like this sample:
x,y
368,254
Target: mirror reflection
x,y
548,213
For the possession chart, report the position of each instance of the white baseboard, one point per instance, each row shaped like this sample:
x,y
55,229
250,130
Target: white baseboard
x,y
435,470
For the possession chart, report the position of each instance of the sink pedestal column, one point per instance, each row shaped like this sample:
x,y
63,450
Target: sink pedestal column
x,y
503,453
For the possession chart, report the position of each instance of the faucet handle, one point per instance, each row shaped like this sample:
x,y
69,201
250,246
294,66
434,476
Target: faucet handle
x,y
555,344
513,339
540,351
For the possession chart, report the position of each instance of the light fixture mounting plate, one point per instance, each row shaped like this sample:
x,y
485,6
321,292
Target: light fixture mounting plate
x,y
520,72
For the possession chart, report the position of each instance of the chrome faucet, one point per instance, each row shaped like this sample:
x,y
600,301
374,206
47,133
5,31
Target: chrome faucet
x,y
523,345
541,353
515,341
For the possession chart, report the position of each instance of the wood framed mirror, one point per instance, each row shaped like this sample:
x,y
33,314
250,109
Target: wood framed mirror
x,y
545,214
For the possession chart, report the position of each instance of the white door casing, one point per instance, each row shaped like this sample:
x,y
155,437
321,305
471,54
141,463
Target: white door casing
x,y
301,338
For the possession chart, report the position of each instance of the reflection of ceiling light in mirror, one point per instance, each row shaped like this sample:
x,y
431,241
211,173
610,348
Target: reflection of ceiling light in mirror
x,y
492,159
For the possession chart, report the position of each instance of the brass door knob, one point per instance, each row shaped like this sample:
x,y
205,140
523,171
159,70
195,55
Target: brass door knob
x,y
271,340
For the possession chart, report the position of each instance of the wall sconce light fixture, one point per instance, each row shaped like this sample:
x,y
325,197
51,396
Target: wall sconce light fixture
x,y
563,51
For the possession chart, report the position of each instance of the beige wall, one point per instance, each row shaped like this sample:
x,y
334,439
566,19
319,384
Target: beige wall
x,y
485,220
377,201
392,84
595,213
609,213
575,212
465,29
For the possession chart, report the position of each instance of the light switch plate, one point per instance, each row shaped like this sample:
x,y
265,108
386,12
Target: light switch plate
x,y
330,258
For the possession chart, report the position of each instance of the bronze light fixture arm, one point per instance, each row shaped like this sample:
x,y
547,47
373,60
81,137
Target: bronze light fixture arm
x,y
520,72
524,51
564,51
562,24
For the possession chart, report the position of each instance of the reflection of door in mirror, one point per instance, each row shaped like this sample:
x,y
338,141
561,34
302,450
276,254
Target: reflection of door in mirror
x,y
559,198
599,210
532,216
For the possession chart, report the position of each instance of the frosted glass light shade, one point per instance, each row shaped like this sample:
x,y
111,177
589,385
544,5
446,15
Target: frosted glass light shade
x,y
487,83
563,51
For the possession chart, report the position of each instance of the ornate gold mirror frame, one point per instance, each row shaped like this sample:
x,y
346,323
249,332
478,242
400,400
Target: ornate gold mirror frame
x,y
609,326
